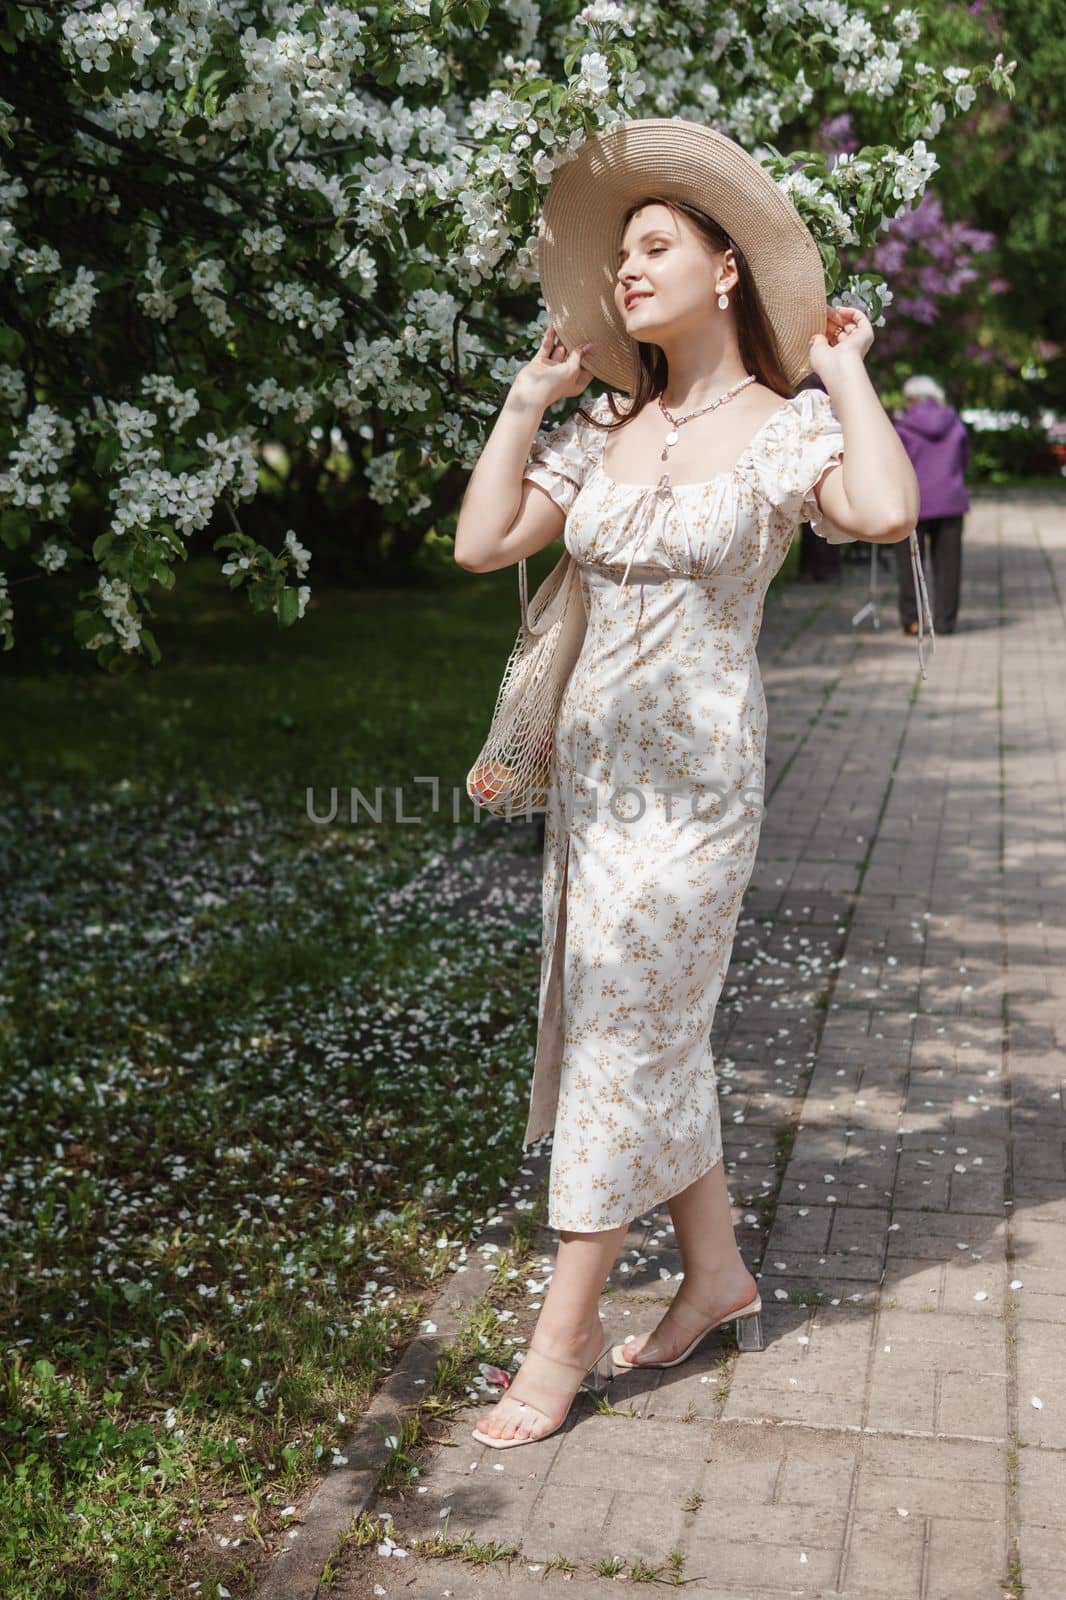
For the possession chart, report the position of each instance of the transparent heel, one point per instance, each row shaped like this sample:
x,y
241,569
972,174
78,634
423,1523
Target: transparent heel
x,y
749,1337
600,1374
749,1332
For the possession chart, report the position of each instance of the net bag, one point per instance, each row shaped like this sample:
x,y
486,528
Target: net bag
x,y
510,776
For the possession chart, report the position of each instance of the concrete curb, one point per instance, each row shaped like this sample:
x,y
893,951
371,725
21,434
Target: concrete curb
x,y
295,1570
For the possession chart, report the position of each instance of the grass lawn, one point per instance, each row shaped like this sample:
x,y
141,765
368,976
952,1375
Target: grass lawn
x,y
254,1098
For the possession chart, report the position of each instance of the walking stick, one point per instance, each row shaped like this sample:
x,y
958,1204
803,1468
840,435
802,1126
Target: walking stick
x,y
870,608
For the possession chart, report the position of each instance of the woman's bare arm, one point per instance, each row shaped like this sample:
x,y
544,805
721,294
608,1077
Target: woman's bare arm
x,y
503,517
873,493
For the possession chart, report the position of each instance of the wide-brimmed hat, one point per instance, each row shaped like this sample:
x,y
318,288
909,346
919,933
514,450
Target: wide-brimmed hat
x,y
581,233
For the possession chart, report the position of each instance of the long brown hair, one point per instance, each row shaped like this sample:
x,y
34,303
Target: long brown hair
x,y
755,335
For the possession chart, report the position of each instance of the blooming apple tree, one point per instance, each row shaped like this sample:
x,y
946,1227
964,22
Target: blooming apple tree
x,y
235,228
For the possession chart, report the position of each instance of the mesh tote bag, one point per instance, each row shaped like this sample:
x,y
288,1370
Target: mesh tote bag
x,y
510,776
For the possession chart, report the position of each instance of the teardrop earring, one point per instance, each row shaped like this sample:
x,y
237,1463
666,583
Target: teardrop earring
x,y
723,301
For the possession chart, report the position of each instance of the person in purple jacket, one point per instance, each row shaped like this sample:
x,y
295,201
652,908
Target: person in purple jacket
x,y
938,444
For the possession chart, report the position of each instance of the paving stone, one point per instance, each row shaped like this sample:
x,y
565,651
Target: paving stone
x,y
937,1238
561,1522
1042,1490
643,1525
972,1403
798,1402
933,1477
884,1555
945,1340
760,1566
966,1560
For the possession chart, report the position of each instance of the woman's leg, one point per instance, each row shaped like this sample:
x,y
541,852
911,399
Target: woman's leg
x,y
716,1280
567,1329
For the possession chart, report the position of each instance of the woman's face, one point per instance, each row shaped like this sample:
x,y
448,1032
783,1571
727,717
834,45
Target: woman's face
x,y
667,262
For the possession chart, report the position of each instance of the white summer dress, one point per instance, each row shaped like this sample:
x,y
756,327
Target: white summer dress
x,y
655,800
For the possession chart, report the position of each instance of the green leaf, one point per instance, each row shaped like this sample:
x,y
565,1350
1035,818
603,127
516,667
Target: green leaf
x,y
288,607
85,625
521,205
559,92
107,453
12,343
212,73
532,89
14,526
415,225
417,275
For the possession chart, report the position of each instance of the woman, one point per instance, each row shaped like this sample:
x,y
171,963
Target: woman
x,y
936,439
656,795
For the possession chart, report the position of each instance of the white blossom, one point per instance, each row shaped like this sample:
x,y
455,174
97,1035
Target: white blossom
x,y
52,556
595,78
207,289
71,305
181,404
115,597
907,26
294,303
301,557
936,120
12,388
606,18
914,168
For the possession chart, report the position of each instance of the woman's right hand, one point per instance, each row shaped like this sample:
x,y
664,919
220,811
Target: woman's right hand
x,y
553,374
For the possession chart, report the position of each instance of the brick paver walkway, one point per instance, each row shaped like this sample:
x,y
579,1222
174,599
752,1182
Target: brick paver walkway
x,y
896,1009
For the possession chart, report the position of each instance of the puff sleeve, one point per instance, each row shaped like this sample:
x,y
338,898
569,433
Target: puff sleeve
x,y
560,458
821,444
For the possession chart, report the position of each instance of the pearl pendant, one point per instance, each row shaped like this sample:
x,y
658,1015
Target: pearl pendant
x,y
673,436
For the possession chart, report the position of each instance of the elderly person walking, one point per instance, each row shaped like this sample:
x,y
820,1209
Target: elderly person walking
x,y
936,439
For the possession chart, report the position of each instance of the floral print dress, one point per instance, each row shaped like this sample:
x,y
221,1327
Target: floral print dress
x,y
655,800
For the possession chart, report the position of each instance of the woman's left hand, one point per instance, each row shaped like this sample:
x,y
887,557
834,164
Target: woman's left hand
x,y
848,334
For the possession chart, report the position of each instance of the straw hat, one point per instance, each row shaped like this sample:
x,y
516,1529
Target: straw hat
x,y
581,233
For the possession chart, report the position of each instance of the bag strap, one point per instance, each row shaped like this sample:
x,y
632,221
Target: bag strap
x,y
921,598
523,592
573,578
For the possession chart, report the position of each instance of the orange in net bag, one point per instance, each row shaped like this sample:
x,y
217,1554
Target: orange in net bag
x,y
511,775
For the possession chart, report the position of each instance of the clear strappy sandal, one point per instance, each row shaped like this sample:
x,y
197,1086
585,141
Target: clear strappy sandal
x,y
748,1321
596,1379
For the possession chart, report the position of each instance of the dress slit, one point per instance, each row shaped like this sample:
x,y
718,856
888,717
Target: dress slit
x,y
556,986
550,1032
